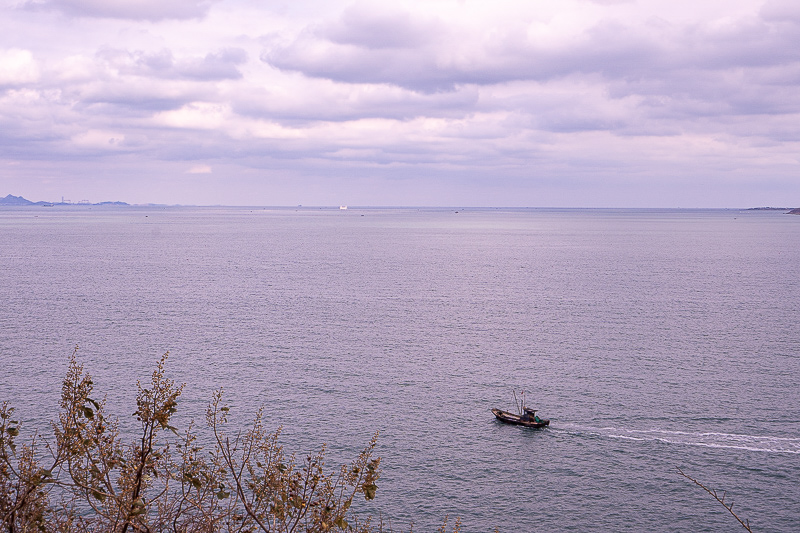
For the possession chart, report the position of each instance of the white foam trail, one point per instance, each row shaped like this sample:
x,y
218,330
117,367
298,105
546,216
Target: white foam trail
x,y
753,443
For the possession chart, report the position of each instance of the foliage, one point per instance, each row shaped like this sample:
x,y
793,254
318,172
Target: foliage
x,y
87,478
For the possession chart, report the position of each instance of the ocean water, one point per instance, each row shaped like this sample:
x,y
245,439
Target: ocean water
x,y
652,339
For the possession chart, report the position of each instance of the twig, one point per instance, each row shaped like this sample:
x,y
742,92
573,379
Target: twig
x,y
712,492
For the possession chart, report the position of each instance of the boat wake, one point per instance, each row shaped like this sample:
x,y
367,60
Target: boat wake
x,y
752,443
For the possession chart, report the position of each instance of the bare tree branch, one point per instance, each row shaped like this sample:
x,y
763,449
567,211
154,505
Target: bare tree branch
x,y
712,492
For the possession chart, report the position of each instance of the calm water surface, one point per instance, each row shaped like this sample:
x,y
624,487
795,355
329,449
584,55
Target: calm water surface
x,y
651,339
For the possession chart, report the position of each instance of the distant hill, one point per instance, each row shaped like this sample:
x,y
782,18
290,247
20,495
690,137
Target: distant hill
x,y
15,200
788,210
19,200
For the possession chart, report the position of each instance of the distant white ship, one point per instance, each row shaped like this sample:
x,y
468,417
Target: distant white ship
x,y
342,207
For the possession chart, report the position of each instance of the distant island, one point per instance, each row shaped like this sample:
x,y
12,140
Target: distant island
x,y
19,200
11,200
789,210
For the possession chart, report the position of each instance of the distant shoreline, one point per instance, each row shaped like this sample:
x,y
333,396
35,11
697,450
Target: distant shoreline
x,y
18,201
11,200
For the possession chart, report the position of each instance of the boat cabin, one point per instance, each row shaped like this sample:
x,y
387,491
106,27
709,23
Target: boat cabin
x,y
529,415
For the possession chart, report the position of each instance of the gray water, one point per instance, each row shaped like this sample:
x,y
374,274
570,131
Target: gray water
x,y
651,338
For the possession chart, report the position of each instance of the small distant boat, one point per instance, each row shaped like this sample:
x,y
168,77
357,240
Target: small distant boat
x,y
342,207
528,419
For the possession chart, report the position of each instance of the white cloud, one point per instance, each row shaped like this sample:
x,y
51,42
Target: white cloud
x,y
76,68
99,139
196,115
163,64
17,67
524,48
243,128
781,11
377,28
535,91
153,10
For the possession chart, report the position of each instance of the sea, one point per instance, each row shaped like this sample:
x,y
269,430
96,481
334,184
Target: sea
x,y
653,339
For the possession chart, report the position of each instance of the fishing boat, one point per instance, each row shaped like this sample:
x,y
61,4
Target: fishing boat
x,y
528,418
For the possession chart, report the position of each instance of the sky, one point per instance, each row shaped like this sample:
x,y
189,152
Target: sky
x,y
540,103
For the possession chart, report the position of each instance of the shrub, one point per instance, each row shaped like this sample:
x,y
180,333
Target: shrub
x,y
88,478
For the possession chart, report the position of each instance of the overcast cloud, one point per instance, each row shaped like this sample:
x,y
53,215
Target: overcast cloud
x,y
458,102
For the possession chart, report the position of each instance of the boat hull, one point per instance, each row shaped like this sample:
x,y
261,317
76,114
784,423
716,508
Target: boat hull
x,y
511,418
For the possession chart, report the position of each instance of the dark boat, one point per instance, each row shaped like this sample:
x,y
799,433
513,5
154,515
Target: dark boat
x,y
527,419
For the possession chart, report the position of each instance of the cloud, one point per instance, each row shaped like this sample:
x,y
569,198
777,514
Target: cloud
x,y
781,11
162,64
17,67
214,66
314,100
98,139
196,115
610,2
122,83
122,97
461,56
445,93
368,27
348,50
75,69
199,169
152,10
